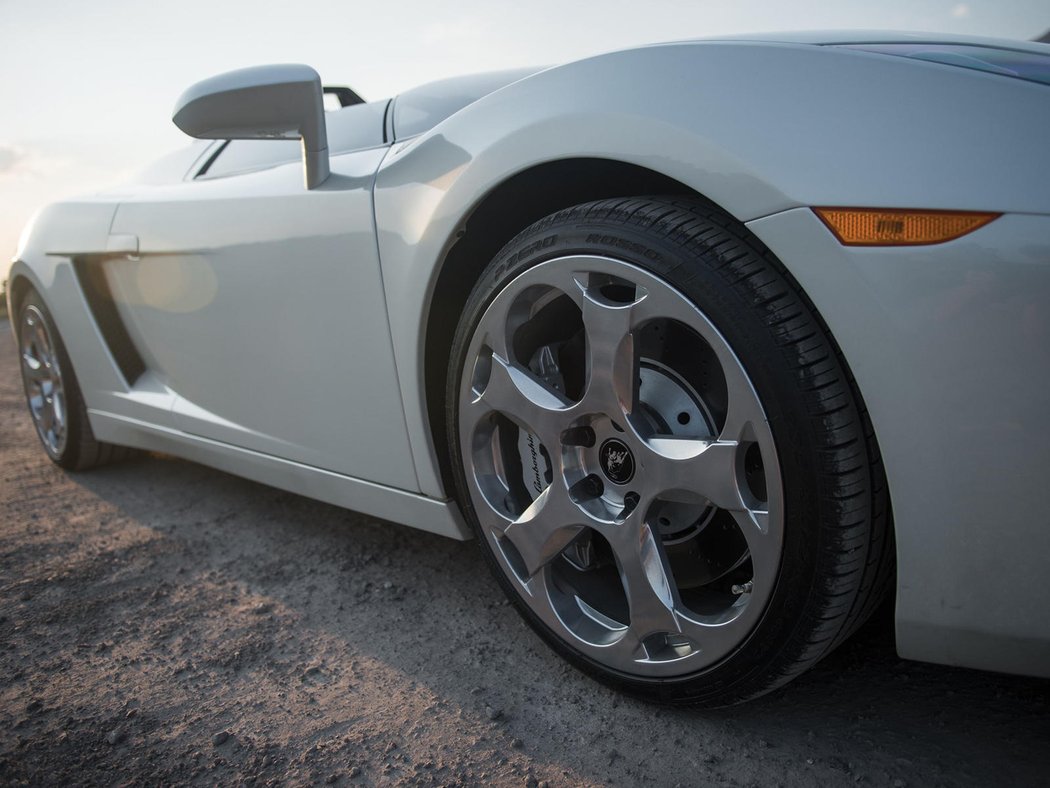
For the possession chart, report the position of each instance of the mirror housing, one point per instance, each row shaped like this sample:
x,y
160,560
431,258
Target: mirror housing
x,y
264,102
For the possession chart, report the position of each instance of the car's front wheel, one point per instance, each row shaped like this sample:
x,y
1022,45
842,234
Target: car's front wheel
x,y
662,454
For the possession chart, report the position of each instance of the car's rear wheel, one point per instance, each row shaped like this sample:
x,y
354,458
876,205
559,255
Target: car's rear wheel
x,y
662,454
53,393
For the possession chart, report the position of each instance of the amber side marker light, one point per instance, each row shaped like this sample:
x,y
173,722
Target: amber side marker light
x,y
897,227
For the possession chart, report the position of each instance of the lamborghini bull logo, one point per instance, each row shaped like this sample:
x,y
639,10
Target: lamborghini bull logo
x,y
617,461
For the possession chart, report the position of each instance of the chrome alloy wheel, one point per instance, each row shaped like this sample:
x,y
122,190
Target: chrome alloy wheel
x,y
42,378
621,467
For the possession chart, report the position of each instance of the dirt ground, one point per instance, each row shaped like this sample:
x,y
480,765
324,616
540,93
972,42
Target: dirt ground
x,y
163,622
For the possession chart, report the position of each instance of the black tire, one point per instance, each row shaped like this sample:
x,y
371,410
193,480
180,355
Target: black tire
x,y
79,450
837,557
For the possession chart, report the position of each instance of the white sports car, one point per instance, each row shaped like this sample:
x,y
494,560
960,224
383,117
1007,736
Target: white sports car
x,y
710,344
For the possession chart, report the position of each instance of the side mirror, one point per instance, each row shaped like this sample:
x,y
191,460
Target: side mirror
x,y
264,102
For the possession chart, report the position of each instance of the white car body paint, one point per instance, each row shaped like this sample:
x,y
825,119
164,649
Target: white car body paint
x,y
263,283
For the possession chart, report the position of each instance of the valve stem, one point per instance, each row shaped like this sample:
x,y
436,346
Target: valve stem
x,y
743,589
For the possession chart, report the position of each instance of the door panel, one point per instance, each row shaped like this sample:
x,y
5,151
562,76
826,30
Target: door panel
x,y
261,305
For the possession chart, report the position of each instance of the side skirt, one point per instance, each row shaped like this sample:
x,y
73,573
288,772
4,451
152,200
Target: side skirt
x,y
388,503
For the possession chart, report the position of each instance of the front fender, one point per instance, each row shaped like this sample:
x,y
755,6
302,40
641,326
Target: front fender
x,y
757,128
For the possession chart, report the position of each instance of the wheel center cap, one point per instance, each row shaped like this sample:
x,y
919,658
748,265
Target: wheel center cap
x,y
617,461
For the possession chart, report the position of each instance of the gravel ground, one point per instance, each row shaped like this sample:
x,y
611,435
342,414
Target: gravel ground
x,y
164,622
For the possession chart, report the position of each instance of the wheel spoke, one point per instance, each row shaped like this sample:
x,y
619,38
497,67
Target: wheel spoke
x,y
707,468
647,581
749,519
58,408
518,395
545,528
744,408
41,340
34,368
610,355
713,638
47,416
762,544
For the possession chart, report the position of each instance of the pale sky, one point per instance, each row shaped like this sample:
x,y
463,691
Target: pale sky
x,y
87,87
